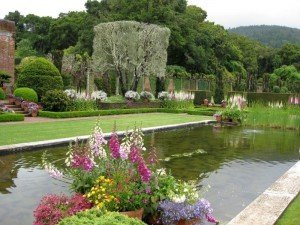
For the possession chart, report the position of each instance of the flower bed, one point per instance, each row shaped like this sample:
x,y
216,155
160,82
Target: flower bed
x,y
128,105
122,175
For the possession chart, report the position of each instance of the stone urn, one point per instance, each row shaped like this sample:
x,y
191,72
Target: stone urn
x,y
205,102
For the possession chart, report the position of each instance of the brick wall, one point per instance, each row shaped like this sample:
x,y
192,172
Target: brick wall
x,y
7,47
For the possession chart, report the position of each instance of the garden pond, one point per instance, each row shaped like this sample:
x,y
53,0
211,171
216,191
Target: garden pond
x,y
233,165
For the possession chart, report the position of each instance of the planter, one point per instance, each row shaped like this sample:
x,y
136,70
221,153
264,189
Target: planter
x,y
125,105
18,102
134,214
34,114
189,222
11,101
218,118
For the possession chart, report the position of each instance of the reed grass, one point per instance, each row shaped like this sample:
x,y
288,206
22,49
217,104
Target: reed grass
x,y
263,116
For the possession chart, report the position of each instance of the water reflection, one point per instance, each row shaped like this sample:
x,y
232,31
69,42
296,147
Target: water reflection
x,y
232,166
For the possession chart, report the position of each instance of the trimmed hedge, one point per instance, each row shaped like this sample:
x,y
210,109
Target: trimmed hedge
x,y
40,75
265,97
27,94
8,117
204,112
200,96
2,94
93,113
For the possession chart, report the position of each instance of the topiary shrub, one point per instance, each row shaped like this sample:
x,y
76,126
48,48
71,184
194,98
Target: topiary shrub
x,y
2,94
276,89
27,94
56,101
96,217
40,75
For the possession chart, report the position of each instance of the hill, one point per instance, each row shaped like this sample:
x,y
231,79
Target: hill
x,y
274,36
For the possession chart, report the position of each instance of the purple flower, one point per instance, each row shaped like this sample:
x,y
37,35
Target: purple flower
x,y
114,146
144,171
171,212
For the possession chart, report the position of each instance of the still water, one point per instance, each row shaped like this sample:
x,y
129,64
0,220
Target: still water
x,y
232,166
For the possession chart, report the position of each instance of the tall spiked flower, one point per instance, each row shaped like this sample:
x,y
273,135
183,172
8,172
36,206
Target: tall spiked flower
x,y
144,171
97,142
114,145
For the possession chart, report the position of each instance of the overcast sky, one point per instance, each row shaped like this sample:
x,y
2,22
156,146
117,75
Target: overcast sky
x,y
229,13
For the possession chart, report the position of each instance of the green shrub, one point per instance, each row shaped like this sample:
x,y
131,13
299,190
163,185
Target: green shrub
x,y
55,100
82,105
2,94
7,117
200,96
40,75
276,89
115,99
178,104
67,80
233,115
27,94
96,217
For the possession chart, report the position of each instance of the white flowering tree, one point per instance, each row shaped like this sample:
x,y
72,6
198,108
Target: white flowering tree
x,y
131,50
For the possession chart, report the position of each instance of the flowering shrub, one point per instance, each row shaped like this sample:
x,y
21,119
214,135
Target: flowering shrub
x,y
164,95
145,95
53,208
132,95
99,95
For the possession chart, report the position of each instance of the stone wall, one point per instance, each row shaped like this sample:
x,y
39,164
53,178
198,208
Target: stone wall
x,y
7,47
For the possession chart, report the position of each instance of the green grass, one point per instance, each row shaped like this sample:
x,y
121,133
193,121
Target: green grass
x,y
285,118
28,132
292,214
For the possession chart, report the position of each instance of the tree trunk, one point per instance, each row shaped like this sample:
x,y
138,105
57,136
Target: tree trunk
x,y
135,83
117,85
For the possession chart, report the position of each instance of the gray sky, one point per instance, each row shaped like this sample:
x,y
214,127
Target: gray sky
x,y
229,13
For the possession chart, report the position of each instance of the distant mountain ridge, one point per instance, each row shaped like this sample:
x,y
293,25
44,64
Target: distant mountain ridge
x,y
274,36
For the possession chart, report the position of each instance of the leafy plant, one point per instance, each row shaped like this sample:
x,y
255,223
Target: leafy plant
x,y
233,114
55,100
98,217
27,94
54,208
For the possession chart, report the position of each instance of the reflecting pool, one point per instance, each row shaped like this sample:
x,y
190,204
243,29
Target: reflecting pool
x,y
232,165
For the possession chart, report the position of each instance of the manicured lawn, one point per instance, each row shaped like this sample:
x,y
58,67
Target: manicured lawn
x,y
28,132
292,214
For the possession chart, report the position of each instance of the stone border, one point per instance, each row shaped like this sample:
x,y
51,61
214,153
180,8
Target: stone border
x,y
8,149
268,207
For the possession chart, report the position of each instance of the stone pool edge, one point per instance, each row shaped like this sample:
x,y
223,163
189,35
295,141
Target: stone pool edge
x,y
8,149
270,205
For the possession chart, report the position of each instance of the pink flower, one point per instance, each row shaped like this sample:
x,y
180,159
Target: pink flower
x,y
114,146
83,162
135,154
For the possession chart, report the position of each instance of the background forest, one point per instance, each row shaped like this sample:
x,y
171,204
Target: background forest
x,y
198,48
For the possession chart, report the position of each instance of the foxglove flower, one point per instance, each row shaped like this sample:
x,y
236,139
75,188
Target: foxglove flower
x,y
114,146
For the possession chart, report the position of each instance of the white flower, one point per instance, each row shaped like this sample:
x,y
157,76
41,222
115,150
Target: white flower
x,y
101,95
164,95
132,95
71,93
179,199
